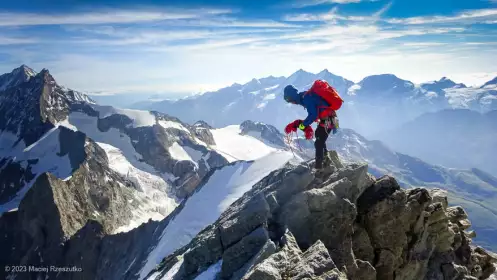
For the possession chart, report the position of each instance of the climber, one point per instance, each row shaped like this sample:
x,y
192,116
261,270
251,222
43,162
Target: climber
x,y
321,102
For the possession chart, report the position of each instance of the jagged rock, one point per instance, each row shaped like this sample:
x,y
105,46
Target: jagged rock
x,y
273,266
253,214
266,251
363,250
207,248
333,155
267,133
456,214
236,256
306,216
315,262
365,271
335,274
202,131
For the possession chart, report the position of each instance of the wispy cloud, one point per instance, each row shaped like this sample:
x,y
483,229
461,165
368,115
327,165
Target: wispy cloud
x,y
308,3
203,37
231,22
16,41
329,16
424,44
104,17
333,15
482,15
383,10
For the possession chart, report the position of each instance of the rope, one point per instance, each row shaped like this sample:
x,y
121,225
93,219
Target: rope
x,y
288,141
298,142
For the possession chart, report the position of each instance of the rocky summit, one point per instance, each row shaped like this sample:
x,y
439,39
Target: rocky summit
x,y
342,223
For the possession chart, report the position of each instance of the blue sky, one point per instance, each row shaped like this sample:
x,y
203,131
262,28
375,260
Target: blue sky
x,y
124,46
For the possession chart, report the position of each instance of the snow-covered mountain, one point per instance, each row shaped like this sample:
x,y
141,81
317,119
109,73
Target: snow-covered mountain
x,y
491,84
16,77
257,100
369,105
456,138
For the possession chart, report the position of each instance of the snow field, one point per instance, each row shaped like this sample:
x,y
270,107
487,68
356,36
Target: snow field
x,y
238,147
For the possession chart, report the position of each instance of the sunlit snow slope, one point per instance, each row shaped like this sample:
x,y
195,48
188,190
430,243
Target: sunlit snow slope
x,y
206,205
234,146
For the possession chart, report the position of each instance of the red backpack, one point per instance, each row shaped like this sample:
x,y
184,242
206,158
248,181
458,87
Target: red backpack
x,y
329,94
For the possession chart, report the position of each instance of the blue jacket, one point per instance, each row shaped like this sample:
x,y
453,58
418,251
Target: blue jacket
x,y
312,103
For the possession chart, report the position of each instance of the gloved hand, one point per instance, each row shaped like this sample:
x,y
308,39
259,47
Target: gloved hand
x,y
308,132
292,127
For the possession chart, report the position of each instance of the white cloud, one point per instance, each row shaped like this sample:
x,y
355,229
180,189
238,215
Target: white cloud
x,y
329,16
231,22
210,44
482,15
16,41
308,3
383,10
168,39
424,44
103,17
333,15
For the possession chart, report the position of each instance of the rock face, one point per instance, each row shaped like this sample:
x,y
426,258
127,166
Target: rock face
x,y
202,131
339,224
53,211
16,77
267,133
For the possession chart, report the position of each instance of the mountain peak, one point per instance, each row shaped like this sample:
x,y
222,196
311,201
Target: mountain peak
x,y
18,76
301,72
254,81
381,77
26,70
301,78
490,83
325,71
441,84
385,82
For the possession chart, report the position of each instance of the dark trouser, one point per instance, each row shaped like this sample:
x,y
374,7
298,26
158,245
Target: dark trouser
x,y
321,135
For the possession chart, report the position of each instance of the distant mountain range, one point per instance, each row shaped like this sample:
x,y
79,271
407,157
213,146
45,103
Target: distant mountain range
x,y
457,138
370,104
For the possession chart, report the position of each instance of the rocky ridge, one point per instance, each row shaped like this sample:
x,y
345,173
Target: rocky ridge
x,y
340,224
266,133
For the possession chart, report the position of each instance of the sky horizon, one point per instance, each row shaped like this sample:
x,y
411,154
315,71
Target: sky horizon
x,y
189,46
